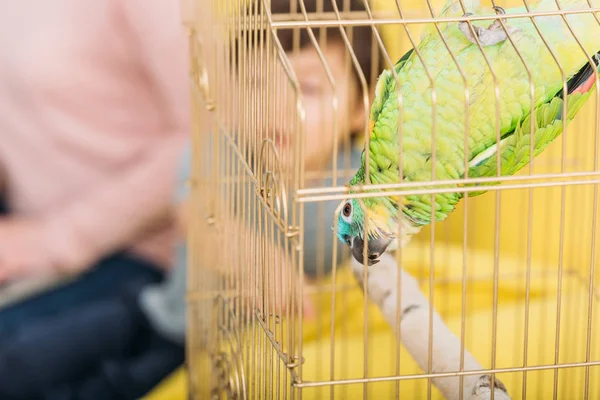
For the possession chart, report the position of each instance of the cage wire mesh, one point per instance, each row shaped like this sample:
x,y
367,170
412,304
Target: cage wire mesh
x,y
510,274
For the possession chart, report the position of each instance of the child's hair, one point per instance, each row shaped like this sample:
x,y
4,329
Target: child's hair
x,y
362,36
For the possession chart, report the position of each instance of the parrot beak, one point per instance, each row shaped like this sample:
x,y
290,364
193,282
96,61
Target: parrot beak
x,y
376,248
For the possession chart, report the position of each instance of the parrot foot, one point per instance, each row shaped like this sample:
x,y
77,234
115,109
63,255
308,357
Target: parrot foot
x,y
488,36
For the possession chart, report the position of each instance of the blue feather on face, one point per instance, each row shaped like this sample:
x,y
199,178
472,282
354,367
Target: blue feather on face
x,y
349,222
350,232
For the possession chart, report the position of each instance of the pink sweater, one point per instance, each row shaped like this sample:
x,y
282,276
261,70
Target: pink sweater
x,y
93,113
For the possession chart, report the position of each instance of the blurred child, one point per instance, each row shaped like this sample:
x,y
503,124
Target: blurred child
x,y
123,347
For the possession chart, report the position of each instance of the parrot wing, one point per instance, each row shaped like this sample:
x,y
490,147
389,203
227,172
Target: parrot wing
x,y
515,148
444,95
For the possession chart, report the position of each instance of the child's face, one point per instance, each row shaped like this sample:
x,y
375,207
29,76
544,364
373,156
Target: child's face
x,y
317,94
322,123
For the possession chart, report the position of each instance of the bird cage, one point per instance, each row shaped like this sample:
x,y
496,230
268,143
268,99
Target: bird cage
x,y
498,300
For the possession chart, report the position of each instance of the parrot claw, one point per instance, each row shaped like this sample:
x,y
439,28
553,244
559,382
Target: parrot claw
x,y
491,35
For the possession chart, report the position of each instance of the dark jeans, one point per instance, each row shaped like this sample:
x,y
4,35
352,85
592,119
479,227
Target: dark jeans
x,y
87,339
106,280
104,350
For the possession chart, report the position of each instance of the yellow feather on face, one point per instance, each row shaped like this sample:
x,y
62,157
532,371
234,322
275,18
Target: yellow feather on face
x,y
379,215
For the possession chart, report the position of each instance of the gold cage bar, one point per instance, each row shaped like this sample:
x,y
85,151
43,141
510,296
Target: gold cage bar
x,y
511,272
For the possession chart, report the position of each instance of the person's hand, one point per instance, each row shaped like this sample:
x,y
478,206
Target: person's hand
x,y
276,274
22,248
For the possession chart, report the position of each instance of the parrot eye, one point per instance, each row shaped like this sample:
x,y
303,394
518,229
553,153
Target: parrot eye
x,y
347,212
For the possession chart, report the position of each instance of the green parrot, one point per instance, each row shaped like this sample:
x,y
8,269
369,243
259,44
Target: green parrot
x,y
388,215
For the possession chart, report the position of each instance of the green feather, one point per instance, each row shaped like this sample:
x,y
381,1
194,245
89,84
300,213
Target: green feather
x,y
515,149
419,116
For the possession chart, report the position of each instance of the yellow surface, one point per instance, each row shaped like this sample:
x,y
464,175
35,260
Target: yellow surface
x,y
349,350
349,322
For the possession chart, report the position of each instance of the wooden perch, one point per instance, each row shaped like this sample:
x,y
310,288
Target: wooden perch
x,y
414,326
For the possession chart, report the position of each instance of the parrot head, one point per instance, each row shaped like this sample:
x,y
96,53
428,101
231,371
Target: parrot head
x,y
350,231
